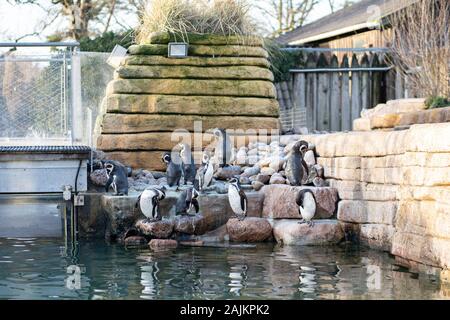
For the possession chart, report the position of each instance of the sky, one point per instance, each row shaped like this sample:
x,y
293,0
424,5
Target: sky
x,y
17,21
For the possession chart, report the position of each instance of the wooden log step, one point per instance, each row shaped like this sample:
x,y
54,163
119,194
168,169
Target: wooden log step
x,y
188,72
236,88
196,61
201,50
161,141
130,123
205,39
195,105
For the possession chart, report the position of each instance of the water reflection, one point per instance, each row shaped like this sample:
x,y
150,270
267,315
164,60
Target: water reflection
x,y
37,269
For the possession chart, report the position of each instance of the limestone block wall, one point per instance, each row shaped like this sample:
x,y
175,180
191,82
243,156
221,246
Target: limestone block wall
x,y
394,189
222,83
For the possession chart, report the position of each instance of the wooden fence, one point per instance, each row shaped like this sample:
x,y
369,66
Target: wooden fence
x,y
327,94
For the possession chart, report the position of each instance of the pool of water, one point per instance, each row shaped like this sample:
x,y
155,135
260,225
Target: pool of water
x,y
43,269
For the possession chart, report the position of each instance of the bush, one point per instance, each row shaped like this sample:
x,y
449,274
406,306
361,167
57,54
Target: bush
x,y
437,102
282,61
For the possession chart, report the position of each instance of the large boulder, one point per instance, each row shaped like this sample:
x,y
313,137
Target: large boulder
x,y
323,232
158,229
249,230
121,214
279,201
194,225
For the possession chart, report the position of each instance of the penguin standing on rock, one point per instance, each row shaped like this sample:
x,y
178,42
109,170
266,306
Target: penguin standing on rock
x,y
174,169
189,170
295,165
204,173
117,177
237,198
306,202
148,202
187,201
223,148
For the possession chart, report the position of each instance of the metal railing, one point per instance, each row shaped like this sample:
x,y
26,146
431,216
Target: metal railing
x,y
40,94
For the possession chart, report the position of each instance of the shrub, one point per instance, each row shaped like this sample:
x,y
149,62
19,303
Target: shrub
x,y
437,102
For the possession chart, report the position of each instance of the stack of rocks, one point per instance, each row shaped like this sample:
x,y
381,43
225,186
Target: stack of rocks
x,y
222,83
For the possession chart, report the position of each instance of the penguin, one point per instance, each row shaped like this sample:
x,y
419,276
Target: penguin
x,y
204,173
189,170
306,202
295,165
223,148
187,201
148,202
238,199
117,177
174,169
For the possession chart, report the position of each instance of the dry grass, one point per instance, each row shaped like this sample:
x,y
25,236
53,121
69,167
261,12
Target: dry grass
x,y
180,17
421,46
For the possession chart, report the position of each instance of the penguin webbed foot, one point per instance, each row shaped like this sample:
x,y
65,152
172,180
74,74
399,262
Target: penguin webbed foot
x,y
310,223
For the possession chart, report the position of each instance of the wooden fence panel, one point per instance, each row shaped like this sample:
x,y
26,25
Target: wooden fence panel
x,y
335,97
356,90
323,80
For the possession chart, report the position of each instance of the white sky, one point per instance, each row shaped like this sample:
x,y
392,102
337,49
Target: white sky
x,y
16,20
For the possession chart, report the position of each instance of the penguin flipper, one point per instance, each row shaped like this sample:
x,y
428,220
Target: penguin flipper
x,y
196,205
243,200
138,201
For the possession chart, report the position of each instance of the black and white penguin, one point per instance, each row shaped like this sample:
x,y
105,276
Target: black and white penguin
x,y
117,177
295,164
223,148
205,173
189,170
306,202
174,169
187,201
237,198
148,202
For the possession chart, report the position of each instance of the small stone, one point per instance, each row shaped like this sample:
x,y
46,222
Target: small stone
x,y
320,170
253,178
252,171
135,241
267,171
251,229
158,174
229,172
220,187
277,179
241,156
253,152
264,162
309,158
319,182
253,159
263,178
244,180
99,177
276,163
257,185
157,244
158,229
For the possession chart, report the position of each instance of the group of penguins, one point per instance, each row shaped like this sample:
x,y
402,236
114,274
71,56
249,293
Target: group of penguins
x,y
181,165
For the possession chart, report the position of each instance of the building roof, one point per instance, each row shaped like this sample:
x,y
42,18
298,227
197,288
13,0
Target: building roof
x,y
361,15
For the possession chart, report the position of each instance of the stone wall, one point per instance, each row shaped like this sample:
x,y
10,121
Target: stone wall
x,y
394,189
222,83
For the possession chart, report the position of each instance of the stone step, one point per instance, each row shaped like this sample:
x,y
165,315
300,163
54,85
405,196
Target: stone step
x,y
188,72
206,39
196,61
324,232
201,50
194,105
129,123
194,87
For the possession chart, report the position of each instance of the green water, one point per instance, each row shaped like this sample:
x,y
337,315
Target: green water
x,y
37,269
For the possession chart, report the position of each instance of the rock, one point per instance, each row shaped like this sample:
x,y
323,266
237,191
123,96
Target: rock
x,y
277,179
310,158
135,241
324,232
257,185
249,230
195,225
253,171
206,39
229,172
220,187
276,163
99,177
241,157
244,180
120,213
376,212
159,229
377,236
319,182
253,159
157,244
263,178
279,201
267,171
319,170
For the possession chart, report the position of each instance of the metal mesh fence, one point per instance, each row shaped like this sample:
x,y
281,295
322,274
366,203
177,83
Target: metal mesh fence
x,y
34,97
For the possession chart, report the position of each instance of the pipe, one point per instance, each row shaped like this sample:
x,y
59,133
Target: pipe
x,y
71,44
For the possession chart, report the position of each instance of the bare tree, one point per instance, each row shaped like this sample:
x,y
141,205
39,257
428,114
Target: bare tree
x,y
421,46
334,6
81,15
286,15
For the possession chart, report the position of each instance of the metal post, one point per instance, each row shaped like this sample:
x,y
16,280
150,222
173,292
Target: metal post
x,y
77,111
